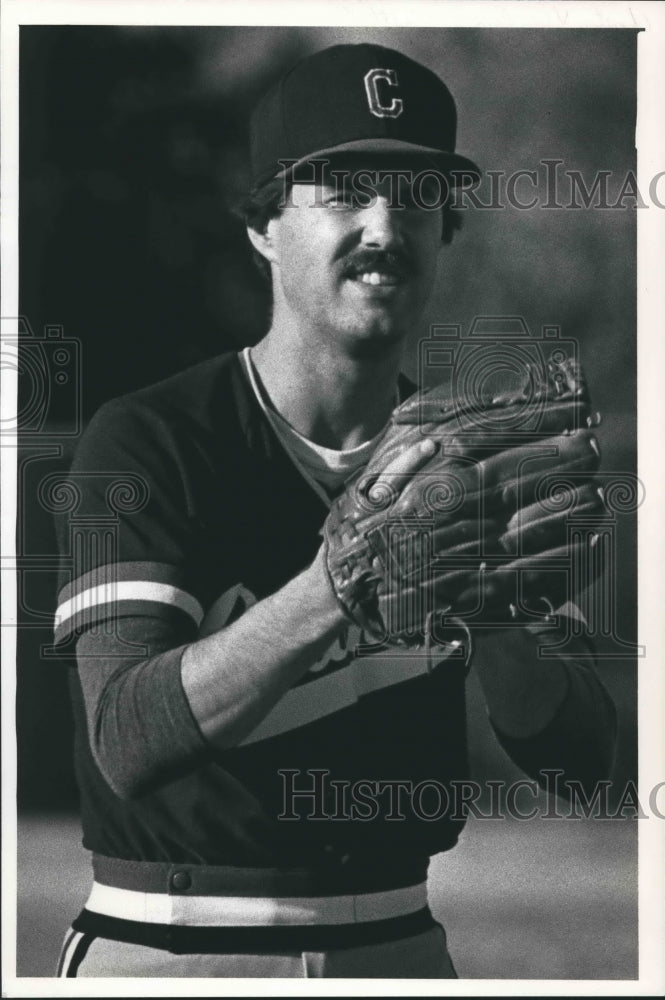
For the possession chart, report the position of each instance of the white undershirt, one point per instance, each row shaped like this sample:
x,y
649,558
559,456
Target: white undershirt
x,y
325,469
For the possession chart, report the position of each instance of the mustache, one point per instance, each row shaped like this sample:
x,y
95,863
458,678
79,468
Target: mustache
x,y
392,262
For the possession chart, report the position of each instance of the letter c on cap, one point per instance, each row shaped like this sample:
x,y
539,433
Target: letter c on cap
x,y
396,106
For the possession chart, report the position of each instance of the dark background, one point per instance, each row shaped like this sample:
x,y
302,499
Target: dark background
x,y
133,150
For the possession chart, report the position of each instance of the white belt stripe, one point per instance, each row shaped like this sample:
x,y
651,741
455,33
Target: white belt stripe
x,y
340,689
253,911
69,954
129,590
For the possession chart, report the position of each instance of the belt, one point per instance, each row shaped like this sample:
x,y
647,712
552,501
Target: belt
x,y
185,907
254,911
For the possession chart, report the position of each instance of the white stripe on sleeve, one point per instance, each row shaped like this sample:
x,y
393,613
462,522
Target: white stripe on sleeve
x,y
129,590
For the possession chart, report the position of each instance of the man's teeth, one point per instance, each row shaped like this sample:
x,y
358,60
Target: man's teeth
x,y
375,278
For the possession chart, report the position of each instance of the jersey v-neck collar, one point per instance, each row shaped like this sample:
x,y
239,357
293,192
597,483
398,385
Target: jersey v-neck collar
x,y
324,469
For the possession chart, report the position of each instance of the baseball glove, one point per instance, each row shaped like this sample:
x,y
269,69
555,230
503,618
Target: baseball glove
x,y
477,530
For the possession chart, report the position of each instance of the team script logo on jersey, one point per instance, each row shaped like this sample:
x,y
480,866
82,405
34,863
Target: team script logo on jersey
x,y
381,102
340,653
226,609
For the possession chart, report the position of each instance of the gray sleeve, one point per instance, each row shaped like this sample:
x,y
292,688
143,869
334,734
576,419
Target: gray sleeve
x,y
141,730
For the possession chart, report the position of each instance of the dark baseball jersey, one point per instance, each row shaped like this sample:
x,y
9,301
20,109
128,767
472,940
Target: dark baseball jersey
x,y
189,510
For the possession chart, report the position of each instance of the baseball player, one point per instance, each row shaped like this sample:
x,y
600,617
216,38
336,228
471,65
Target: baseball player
x,y
251,646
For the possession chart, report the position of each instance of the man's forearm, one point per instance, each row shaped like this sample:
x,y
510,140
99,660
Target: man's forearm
x,y
234,677
548,712
523,691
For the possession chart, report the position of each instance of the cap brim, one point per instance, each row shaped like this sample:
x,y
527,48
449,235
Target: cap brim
x,y
461,171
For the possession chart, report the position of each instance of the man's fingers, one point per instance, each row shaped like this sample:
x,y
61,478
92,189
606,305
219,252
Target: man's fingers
x,y
515,477
537,527
390,481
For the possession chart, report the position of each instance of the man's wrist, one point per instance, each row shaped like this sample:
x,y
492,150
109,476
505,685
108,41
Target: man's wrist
x,y
320,585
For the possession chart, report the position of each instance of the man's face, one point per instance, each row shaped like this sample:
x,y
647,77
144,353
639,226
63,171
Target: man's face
x,y
355,254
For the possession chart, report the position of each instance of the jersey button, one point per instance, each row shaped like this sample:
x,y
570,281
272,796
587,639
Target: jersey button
x,y
181,881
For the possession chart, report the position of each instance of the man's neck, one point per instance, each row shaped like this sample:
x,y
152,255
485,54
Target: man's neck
x,y
332,399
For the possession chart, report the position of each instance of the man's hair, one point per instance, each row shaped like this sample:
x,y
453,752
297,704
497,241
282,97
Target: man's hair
x,y
258,208
266,203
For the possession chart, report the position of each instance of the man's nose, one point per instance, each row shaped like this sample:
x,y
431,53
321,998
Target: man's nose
x,y
382,226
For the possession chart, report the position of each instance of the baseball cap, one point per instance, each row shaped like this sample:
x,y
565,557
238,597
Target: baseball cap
x,y
356,99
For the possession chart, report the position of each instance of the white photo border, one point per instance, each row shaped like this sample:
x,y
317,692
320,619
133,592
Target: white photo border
x,y
650,141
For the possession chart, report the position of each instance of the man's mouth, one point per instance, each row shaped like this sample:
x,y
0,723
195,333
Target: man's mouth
x,y
378,278
379,271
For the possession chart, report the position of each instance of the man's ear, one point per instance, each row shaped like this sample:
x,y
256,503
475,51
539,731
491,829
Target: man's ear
x,y
264,242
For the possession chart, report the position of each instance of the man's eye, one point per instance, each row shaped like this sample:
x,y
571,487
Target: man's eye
x,y
340,201
409,199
